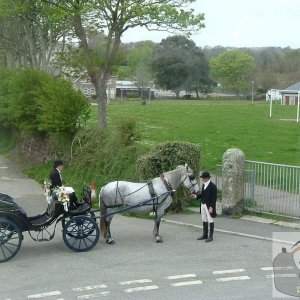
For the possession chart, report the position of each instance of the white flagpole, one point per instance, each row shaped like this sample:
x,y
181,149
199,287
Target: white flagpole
x,y
271,106
298,106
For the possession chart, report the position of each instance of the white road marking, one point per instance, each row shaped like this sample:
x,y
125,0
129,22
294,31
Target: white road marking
x,y
135,281
3,167
89,288
277,268
142,288
180,276
233,278
282,276
43,295
228,271
194,282
90,296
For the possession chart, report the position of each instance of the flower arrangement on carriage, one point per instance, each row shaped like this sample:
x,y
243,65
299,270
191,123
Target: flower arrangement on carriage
x,y
57,194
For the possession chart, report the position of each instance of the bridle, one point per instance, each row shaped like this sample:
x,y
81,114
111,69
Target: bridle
x,y
192,179
190,176
193,182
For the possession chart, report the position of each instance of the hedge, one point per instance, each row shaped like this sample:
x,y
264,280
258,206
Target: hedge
x,y
165,157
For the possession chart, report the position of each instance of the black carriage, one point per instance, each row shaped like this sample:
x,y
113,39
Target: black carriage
x,y
80,230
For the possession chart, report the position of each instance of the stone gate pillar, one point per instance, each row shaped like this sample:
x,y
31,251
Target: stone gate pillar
x,y
233,180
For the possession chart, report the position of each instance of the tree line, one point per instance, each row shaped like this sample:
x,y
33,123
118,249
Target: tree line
x,y
83,38
36,30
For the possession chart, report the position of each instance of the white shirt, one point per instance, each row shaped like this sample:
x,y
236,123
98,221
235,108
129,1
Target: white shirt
x,y
206,184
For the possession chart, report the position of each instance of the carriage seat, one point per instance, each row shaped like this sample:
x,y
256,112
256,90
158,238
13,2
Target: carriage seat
x,y
81,209
8,203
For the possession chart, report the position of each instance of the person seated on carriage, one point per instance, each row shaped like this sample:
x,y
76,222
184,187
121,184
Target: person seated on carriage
x,y
55,178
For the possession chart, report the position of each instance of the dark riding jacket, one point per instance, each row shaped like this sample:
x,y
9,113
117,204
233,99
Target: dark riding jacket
x,y
208,196
55,179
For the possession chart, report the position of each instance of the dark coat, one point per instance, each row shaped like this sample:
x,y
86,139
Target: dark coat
x,y
208,196
55,179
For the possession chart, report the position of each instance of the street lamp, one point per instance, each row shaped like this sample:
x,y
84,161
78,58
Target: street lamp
x,y
252,82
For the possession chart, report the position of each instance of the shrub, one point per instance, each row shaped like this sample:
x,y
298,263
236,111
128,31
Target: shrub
x,y
6,119
102,158
127,131
33,101
168,156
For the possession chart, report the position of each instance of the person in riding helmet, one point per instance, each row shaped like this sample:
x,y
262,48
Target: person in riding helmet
x,y
208,197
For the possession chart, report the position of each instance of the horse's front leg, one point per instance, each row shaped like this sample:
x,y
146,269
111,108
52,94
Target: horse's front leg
x,y
157,237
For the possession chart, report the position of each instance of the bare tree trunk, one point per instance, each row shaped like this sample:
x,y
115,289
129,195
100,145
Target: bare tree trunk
x,y
100,89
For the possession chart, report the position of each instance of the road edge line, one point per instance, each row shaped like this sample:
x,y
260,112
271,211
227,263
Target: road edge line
x,y
258,237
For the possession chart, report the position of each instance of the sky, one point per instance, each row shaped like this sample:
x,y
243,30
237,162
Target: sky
x,y
240,23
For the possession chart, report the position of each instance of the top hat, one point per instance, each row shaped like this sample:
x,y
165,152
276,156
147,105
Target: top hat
x,y
205,175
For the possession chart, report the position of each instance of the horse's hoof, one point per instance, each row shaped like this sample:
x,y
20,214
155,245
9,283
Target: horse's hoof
x,y
159,239
110,242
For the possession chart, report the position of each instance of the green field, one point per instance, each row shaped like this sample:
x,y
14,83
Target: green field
x,y
216,126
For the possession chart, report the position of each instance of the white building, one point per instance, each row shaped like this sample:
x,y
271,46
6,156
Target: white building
x,y
274,95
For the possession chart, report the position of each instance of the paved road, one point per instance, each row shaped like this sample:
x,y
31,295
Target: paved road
x,y
25,191
137,268
232,267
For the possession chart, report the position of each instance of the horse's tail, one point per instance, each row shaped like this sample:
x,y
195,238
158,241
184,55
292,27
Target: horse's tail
x,y
103,209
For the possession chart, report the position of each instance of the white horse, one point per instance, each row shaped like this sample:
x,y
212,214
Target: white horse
x,y
154,196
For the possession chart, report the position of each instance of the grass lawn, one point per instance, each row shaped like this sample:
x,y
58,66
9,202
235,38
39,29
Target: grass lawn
x,y
216,126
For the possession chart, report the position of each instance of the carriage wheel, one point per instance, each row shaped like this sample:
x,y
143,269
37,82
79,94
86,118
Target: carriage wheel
x,y
10,239
81,233
89,214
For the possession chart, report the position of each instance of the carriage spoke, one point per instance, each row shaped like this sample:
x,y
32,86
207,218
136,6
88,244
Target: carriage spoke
x,y
3,252
11,252
75,240
79,247
10,239
7,243
85,236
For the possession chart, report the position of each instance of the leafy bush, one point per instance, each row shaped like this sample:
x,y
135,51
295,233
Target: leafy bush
x,y
33,101
168,156
6,119
127,131
102,158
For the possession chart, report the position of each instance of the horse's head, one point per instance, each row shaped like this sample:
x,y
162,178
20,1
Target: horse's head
x,y
188,179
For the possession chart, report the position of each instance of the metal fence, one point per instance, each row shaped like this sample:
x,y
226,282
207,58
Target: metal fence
x,y
272,188
276,188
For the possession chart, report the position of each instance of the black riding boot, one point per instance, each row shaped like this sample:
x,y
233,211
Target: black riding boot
x,y
205,232
211,232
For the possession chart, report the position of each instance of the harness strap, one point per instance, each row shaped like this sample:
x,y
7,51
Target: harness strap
x,y
167,184
153,195
118,192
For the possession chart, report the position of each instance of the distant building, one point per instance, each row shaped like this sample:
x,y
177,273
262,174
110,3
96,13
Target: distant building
x,y
115,89
88,89
274,95
290,96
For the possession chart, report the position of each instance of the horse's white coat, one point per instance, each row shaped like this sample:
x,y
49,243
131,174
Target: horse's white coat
x,y
124,193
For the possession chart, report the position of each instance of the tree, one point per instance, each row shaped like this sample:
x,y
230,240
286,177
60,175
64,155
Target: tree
x,y
31,33
233,69
179,64
116,17
139,63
